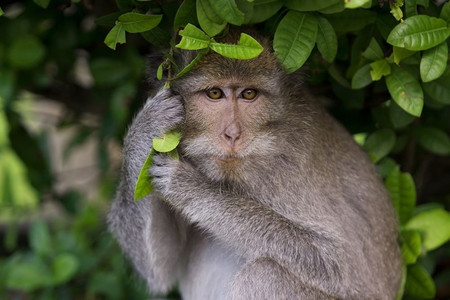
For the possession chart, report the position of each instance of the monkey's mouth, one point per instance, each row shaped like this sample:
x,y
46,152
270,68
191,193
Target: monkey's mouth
x,y
228,159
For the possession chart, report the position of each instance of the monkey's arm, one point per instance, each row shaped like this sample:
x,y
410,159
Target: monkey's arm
x,y
147,230
251,228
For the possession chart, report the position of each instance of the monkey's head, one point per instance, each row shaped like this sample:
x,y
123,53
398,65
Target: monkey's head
x,y
235,111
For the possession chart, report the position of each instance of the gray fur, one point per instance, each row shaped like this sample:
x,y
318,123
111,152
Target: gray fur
x,y
302,216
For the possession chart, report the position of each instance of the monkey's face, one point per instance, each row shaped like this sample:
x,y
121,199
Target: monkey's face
x,y
234,111
228,125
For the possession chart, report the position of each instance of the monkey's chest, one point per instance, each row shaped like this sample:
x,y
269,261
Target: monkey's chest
x,y
207,269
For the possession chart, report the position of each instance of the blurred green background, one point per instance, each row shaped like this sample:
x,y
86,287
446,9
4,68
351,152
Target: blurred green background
x,y
65,102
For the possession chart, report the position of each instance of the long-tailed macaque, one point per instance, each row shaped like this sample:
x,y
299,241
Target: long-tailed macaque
x,y
271,197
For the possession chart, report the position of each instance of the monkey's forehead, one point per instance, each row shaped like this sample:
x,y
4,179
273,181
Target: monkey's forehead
x,y
262,72
264,64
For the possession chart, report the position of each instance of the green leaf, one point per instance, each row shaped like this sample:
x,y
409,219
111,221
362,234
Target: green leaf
x,y
310,5
42,3
434,225
433,139
191,64
439,89
186,14
174,154
263,10
402,191
358,3
379,144
380,68
326,40
401,288
360,138
40,240
115,36
246,8
335,8
1,12
64,267
427,207
106,283
157,36
246,48
385,24
373,51
401,53
134,22
362,77
167,142
209,21
159,72
396,11
144,184
26,52
228,11
419,33
411,245
28,275
336,73
445,12
351,20
193,38
385,166
399,118
419,283
295,38
405,90
4,126
108,20
434,62
411,8
15,188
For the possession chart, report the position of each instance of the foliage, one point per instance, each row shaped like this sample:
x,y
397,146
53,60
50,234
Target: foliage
x,y
166,144
385,63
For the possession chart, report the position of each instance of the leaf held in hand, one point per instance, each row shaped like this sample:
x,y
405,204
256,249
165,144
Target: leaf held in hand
x,y
144,184
167,142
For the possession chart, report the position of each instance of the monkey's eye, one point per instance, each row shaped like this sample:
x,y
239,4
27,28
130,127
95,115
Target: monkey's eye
x,y
249,94
214,93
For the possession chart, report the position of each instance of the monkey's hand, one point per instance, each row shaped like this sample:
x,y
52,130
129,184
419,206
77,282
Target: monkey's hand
x,y
171,177
160,114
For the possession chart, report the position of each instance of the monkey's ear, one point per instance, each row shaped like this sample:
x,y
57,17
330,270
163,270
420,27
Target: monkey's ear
x,y
154,60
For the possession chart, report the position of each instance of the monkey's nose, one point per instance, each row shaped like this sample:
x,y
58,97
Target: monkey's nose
x,y
232,134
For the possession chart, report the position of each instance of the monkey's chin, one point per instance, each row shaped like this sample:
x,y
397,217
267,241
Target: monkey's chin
x,y
228,164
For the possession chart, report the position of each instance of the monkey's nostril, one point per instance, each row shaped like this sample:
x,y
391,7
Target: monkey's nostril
x,y
232,134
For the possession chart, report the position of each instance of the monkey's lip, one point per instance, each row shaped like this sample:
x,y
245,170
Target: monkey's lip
x,y
228,158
